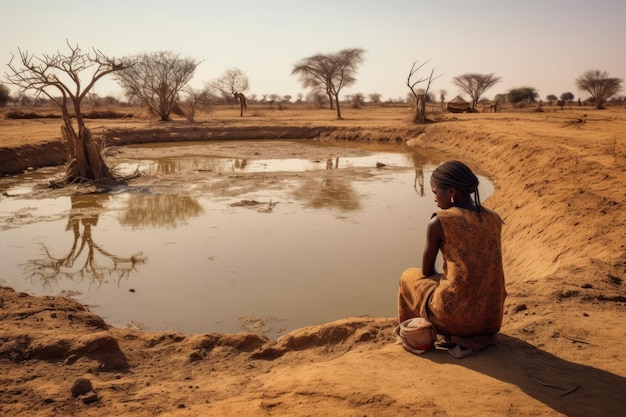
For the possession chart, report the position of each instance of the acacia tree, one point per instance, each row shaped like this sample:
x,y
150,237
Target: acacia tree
x,y
551,98
475,84
599,85
66,80
517,95
330,72
420,94
156,80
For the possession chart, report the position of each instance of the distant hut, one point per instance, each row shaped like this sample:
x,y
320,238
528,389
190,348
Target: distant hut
x,y
458,105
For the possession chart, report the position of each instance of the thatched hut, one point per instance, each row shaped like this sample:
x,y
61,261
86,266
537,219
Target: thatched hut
x,y
457,105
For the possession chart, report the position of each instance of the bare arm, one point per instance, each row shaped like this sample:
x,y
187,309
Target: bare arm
x,y
434,239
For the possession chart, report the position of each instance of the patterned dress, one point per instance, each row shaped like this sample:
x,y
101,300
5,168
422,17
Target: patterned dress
x,y
468,298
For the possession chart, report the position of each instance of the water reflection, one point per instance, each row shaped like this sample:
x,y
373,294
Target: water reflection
x,y
329,163
329,192
85,259
418,184
159,210
332,247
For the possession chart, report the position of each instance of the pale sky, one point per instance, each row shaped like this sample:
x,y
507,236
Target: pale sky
x,y
545,44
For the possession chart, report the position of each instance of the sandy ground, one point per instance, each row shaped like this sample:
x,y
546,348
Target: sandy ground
x,y
560,190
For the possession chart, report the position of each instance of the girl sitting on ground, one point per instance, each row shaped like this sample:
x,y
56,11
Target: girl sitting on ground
x,y
465,303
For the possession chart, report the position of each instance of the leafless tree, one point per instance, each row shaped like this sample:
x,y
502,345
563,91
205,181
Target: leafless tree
x,y
318,97
475,84
232,85
330,72
374,98
85,258
196,99
232,81
66,79
599,85
420,94
357,100
156,79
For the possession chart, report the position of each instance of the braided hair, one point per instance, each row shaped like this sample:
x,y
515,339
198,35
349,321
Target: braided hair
x,y
455,174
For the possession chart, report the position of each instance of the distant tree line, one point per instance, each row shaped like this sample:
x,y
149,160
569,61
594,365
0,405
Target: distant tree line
x,y
159,81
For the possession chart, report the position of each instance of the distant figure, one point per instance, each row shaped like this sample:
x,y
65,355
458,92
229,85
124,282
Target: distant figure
x,y
242,102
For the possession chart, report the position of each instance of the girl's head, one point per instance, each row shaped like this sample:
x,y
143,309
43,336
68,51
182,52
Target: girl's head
x,y
453,183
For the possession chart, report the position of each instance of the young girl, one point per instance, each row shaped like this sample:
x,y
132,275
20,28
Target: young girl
x,y
465,303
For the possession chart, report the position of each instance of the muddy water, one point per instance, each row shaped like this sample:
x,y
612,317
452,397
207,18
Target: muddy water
x,y
314,249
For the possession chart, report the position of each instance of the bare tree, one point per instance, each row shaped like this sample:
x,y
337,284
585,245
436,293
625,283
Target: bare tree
x,y
374,98
330,72
232,85
318,97
420,94
85,258
196,99
357,100
66,80
156,79
599,85
233,81
475,84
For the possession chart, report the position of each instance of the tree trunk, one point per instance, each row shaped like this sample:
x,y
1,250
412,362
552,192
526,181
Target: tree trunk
x,y
338,109
85,161
420,109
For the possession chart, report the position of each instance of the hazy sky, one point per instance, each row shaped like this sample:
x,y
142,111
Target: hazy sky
x,y
545,44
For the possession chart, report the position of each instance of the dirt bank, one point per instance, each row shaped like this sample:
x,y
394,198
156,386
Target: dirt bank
x,y
559,188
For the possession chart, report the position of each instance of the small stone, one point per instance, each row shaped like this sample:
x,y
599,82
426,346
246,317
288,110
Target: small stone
x,y
81,386
90,398
520,307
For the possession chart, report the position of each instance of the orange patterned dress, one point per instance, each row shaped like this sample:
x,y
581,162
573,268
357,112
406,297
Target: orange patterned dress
x,y
468,298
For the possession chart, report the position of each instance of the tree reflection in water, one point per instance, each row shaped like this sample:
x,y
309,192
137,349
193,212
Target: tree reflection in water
x,y
85,258
159,210
331,191
419,181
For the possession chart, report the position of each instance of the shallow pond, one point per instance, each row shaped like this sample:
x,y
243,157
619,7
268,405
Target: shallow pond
x,y
319,239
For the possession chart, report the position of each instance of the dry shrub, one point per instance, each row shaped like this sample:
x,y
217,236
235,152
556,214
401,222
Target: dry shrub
x,y
30,115
370,135
106,114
